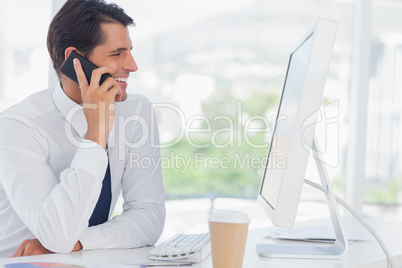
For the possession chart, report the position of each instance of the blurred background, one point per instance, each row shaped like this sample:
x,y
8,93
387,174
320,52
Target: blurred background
x,y
215,71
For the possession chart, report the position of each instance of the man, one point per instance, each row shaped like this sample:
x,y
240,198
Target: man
x,y
65,151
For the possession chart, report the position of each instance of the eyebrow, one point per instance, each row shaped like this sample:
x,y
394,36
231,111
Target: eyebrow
x,y
120,49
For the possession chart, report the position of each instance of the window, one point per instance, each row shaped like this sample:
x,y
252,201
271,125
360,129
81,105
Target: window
x,y
24,65
215,69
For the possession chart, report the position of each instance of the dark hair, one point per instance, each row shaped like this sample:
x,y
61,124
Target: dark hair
x,y
78,24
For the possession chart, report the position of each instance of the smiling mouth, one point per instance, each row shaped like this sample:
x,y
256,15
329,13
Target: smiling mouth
x,y
121,79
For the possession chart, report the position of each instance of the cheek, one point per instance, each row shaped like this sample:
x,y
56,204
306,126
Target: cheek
x,y
113,66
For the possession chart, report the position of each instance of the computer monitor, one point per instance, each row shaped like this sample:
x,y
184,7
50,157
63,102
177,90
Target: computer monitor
x,y
281,185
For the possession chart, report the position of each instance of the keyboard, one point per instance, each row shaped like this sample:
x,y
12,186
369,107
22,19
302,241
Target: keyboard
x,y
185,247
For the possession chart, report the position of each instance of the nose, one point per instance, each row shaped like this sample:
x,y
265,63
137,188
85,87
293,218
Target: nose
x,y
130,64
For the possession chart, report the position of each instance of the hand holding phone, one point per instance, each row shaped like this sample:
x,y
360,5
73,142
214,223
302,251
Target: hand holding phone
x,y
68,68
97,99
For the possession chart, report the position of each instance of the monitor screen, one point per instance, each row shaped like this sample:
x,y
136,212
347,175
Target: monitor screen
x,y
285,121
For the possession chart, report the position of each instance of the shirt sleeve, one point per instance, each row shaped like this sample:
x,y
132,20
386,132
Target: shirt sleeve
x,y
56,210
143,217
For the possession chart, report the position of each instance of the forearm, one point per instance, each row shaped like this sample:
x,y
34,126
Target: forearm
x,y
135,228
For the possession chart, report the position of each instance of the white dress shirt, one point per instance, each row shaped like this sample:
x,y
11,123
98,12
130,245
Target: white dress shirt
x,y
51,177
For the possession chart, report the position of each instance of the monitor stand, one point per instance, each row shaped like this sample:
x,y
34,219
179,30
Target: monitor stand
x,y
307,250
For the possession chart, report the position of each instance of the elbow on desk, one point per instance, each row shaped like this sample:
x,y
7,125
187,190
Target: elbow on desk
x,y
57,244
60,243
154,236
159,225
58,240
149,230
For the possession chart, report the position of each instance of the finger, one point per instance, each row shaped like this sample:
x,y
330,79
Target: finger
x,y
82,79
34,247
32,250
97,74
20,251
108,84
114,91
27,250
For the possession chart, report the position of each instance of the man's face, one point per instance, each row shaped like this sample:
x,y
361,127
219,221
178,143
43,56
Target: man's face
x,y
115,53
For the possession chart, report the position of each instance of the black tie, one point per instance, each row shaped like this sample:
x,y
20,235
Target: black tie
x,y
101,211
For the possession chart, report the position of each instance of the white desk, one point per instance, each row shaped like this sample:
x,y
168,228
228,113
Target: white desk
x,y
360,254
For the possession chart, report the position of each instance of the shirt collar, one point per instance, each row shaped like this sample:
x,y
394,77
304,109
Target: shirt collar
x,y
72,111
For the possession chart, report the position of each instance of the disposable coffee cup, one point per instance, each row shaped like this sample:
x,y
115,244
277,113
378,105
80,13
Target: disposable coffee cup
x,y
228,230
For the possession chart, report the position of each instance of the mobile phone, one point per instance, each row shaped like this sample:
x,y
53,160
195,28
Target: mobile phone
x,y
68,68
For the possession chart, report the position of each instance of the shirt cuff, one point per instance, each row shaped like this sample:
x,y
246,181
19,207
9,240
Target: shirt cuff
x,y
91,157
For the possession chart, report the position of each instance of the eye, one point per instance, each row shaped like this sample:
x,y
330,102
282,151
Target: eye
x,y
115,54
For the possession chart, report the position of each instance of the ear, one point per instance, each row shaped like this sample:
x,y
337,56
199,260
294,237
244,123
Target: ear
x,y
68,51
